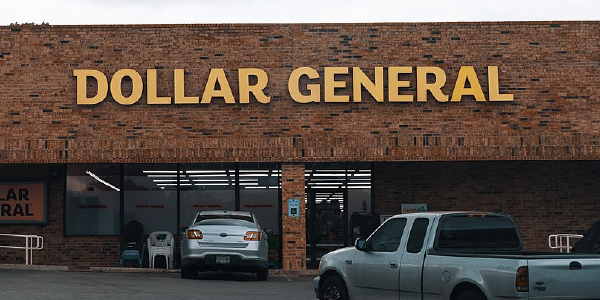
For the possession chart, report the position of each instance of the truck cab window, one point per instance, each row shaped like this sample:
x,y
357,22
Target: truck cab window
x,y
477,233
417,235
387,237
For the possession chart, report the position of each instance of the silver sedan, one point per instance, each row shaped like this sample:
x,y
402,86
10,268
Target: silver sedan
x,y
224,240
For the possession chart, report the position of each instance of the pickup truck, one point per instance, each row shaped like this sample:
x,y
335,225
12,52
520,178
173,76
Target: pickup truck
x,y
453,256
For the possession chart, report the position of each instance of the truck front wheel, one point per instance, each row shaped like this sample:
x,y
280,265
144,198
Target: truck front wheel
x,y
472,295
334,289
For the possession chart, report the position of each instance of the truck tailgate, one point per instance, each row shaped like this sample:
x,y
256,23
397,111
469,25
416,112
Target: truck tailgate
x,y
564,277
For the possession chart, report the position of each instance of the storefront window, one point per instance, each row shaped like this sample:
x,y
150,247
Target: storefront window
x,y
166,197
92,199
206,187
259,193
150,196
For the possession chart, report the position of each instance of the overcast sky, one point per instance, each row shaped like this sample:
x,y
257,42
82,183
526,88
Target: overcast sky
x,y
63,12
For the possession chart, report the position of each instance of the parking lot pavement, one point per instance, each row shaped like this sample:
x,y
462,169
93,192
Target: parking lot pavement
x,y
34,285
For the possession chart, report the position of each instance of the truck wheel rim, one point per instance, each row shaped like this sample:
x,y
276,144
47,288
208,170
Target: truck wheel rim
x,y
332,293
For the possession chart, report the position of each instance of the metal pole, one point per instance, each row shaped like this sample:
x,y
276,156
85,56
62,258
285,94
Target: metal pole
x,y
26,250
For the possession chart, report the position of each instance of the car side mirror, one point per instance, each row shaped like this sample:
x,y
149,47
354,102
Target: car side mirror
x,y
361,244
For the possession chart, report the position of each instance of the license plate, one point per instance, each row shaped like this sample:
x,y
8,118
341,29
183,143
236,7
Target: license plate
x,y
223,259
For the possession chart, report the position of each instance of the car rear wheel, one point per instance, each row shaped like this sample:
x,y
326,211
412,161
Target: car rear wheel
x,y
262,274
472,295
334,289
188,272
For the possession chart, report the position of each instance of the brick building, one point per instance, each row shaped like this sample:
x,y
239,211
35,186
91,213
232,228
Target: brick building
x,y
154,122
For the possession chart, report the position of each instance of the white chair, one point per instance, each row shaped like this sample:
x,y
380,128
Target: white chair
x,y
161,243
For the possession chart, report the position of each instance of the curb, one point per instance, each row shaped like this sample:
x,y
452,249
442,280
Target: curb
x,y
33,267
132,270
272,272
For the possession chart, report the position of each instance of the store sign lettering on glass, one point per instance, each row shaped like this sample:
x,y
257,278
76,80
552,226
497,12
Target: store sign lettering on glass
x,y
23,203
305,85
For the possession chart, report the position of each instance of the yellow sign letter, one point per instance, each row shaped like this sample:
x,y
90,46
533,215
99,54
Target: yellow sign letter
x,y
331,84
294,89
435,88
460,89
494,86
395,83
152,97
360,79
257,89
82,76
217,75
179,83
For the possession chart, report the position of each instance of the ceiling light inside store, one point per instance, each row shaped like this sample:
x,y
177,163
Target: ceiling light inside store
x,y
102,181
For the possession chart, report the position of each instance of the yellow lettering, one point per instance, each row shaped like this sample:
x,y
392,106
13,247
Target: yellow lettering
x,y
82,76
294,89
179,83
395,84
460,89
360,79
435,88
494,86
331,84
217,76
137,84
257,89
153,89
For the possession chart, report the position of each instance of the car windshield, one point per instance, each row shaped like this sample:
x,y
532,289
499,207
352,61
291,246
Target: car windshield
x,y
464,232
226,220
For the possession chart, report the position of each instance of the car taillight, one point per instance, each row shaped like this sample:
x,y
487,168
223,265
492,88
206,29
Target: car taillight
x,y
194,235
252,236
522,282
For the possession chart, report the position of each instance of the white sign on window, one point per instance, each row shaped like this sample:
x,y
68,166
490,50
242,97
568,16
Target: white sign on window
x,y
413,208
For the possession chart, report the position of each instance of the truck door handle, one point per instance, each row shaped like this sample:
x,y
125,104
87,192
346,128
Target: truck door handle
x,y
575,265
393,264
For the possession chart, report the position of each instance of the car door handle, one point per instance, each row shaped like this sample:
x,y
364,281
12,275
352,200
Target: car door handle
x,y
393,264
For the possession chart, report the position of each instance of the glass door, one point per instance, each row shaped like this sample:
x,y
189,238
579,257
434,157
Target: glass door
x,y
326,224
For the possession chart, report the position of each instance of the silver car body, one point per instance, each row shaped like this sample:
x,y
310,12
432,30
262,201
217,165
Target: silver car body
x,y
224,240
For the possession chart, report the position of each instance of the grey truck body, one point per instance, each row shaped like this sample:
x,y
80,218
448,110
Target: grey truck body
x,y
453,256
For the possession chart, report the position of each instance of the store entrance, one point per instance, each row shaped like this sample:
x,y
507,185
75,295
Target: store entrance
x,y
335,192
326,223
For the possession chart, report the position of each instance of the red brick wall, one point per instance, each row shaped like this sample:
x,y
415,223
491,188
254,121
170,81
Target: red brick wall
x,y
550,67
543,197
294,228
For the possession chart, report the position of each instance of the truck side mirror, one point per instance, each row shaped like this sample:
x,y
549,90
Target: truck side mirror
x,y
360,244
183,229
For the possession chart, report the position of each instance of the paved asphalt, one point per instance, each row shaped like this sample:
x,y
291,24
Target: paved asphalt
x,y
34,285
